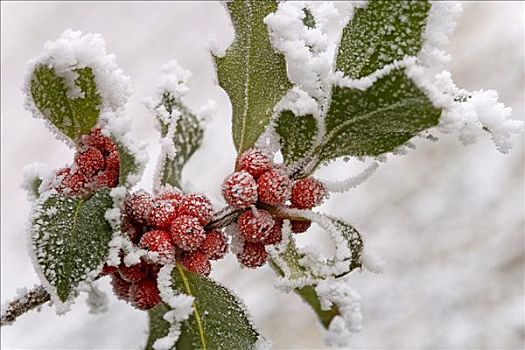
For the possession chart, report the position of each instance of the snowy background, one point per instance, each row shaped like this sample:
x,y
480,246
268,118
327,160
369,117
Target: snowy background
x,y
447,219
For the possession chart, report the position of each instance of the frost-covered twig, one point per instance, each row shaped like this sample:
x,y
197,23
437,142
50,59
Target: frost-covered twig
x,y
22,304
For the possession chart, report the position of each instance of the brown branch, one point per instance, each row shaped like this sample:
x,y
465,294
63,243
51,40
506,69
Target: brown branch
x,y
20,305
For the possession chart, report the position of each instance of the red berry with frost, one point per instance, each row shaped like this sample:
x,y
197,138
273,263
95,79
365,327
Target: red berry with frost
x,y
137,207
274,187
131,230
98,140
300,226
133,273
108,270
162,214
107,178
145,294
307,193
159,241
198,206
240,189
113,162
255,161
196,262
214,245
276,233
252,255
170,194
90,161
120,287
187,232
255,226
73,181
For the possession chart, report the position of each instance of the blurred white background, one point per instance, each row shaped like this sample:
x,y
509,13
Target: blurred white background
x,y
447,219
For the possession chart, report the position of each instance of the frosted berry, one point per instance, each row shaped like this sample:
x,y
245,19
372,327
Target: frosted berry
x,y
159,241
133,273
240,189
196,262
187,232
307,193
276,234
252,255
132,231
137,207
214,245
274,187
300,226
198,206
106,178
90,161
170,194
145,294
98,140
255,226
120,287
72,182
108,270
113,162
162,214
255,161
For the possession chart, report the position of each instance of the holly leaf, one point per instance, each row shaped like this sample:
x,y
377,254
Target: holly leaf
x,y
72,113
158,326
218,321
128,163
251,72
379,34
378,120
70,239
296,134
187,138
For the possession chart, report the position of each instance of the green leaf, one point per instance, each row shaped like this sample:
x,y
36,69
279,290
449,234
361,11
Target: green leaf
x,y
309,19
297,135
353,241
219,320
378,120
70,238
128,163
187,139
379,34
71,116
158,326
252,73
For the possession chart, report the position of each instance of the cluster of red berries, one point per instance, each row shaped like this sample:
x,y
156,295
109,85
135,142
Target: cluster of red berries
x,y
258,184
96,165
172,225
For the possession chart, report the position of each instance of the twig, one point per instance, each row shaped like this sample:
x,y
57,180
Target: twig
x,y
23,304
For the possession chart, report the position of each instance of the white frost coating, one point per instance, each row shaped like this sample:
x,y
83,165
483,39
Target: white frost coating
x,y
181,304
263,344
73,50
31,173
371,261
173,79
441,22
351,182
97,301
337,291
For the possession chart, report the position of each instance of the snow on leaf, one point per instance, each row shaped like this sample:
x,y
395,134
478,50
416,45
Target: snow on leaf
x,y
158,326
219,319
70,239
377,120
381,33
251,72
297,135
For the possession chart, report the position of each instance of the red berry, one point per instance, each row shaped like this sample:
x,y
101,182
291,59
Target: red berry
x,y
145,294
276,233
300,226
252,255
107,178
240,189
255,227
214,245
132,231
90,161
108,270
187,232
73,182
198,206
98,140
307,193
120,287
170,194
159,241
133,273
113,162
197,262
137,207
274,187
255,161
162,214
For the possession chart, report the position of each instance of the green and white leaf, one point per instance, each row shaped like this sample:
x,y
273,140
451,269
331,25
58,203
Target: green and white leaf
x,y
378,120
379,34
70,239
251,72
218,321
71,115
297,135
